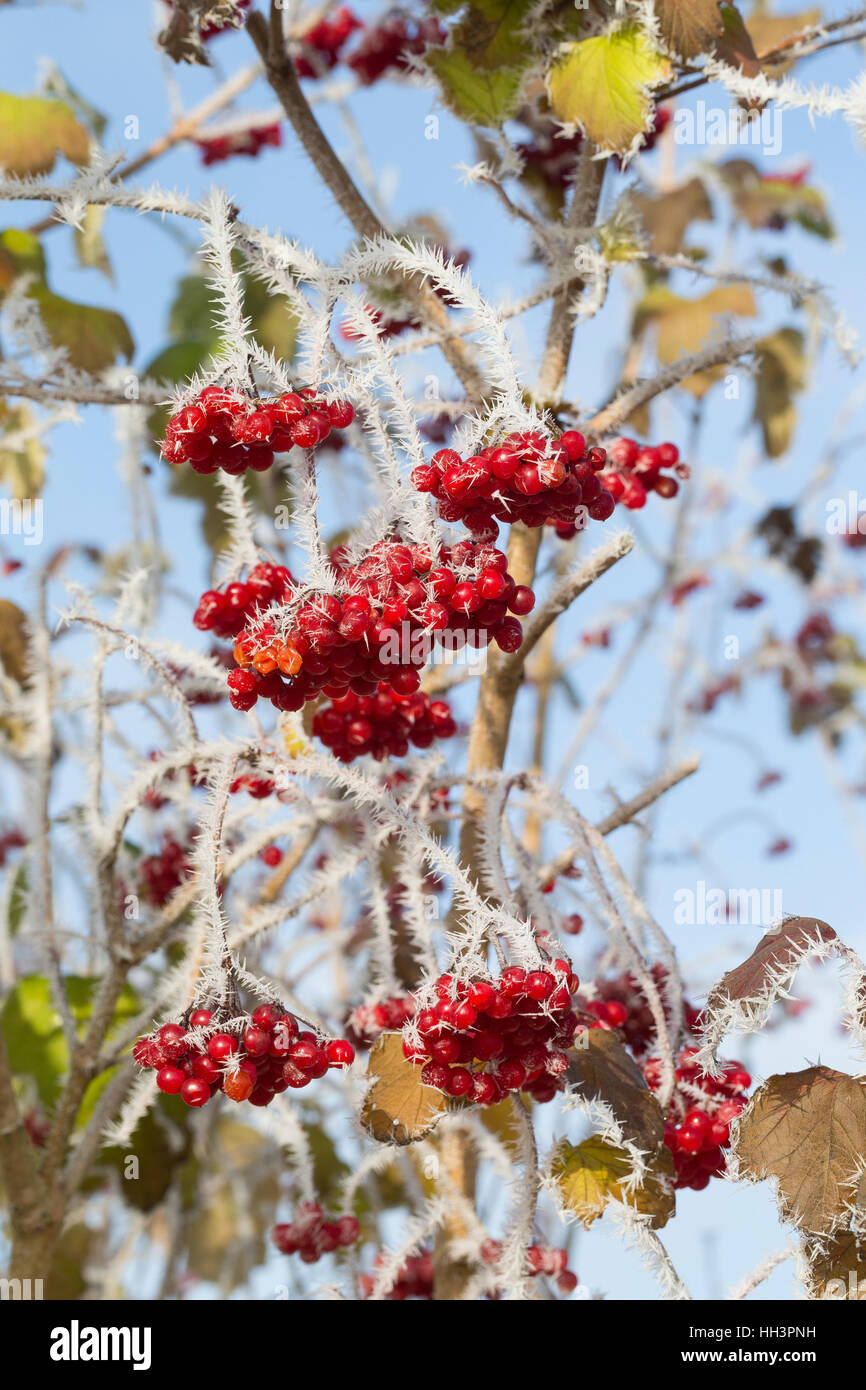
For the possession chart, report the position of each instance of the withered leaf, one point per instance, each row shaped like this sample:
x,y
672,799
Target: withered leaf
x,y
667,217
603,1069
13,641
807,1130
780,376
685,325
689,27
591,1174
770,30
398,1109
734,46
778,951
837,1268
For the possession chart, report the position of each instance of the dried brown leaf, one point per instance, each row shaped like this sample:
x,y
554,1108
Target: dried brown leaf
x,y
603,1069
807,1131
777,956
398,1109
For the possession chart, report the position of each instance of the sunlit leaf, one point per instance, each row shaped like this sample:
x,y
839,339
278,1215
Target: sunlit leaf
x,y
33,132
398,1109
591,1174
604,85
805,1132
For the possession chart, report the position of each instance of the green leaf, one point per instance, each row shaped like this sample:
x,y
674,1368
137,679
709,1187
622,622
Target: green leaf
x,y
480,97
17,900
34,1038
492,33
603,85
160,1149
33,132
34,1033
25,252
94,338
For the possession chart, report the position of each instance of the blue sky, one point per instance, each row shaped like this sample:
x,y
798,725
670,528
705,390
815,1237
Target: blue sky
x,y
105,50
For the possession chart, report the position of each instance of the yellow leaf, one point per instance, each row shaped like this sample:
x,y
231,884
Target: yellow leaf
x,y
685,325
89,245
22,455
34,131
595,1172
398,1109
603,85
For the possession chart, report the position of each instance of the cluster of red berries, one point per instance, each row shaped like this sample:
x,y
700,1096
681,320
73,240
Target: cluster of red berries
x,y
386,47
311,1235
257,787
540,1259
415,1279
228,611
215,148
700,1116
161,874
484,1039
525,478
226,429
322,43
621,1004
635,470
368,1021
396,600
271,1055
382,725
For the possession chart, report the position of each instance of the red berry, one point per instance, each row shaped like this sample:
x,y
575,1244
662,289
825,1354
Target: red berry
x,y
194,1092
169,1080
340,1053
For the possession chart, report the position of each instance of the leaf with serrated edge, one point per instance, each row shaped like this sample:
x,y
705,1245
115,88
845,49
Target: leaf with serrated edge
x,y
398,1109
485,98
774,961
689,27
602,1069
806,1130
603,85
591,1174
